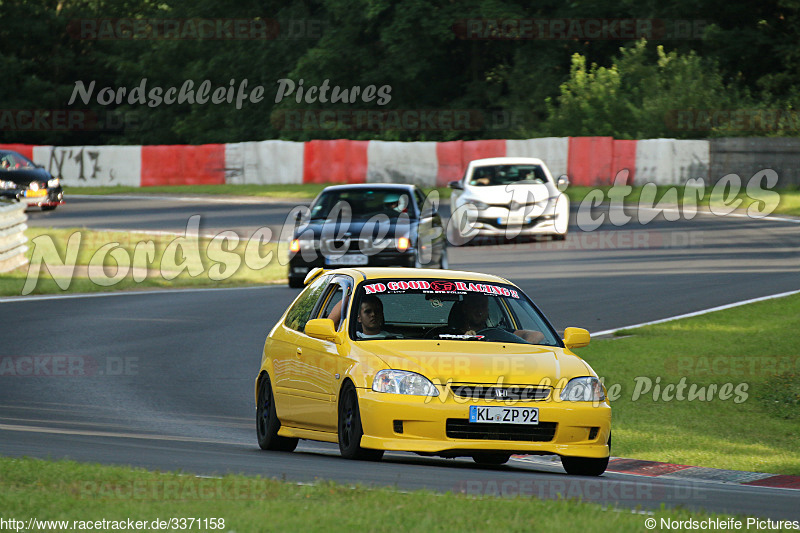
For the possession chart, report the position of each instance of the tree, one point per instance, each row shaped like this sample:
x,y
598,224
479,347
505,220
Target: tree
x,y
643,97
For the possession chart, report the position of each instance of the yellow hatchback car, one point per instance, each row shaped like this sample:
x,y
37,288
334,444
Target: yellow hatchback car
x,y
436,362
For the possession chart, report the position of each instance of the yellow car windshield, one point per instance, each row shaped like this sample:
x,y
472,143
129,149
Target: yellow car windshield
x,y
459,310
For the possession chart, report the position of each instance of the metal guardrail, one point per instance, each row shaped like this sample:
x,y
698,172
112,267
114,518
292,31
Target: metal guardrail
x,y
12,236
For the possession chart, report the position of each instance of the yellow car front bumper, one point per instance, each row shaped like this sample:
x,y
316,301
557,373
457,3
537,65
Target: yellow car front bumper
x,y
581,428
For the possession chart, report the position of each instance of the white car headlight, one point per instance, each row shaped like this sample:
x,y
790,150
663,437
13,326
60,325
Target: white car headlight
x,y
403,382
7,185
585,389
54,182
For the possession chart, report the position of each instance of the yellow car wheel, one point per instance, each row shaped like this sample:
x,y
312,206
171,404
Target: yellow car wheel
x,y
267,423
350,429
585,466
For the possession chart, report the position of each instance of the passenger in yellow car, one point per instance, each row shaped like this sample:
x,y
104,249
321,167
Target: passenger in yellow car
x,y
471,315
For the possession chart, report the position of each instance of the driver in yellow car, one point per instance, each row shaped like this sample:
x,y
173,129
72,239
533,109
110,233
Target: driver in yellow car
x,y
474,316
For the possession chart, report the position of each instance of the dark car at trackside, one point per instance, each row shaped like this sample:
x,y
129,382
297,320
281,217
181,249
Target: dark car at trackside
x,y
21,180
367,225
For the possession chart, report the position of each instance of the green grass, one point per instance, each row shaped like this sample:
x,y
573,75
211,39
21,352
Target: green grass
x,y
787,201
787,204
307,191
755,345
202,270
65,490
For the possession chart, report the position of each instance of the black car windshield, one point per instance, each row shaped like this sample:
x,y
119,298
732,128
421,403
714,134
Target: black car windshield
x,y
363,203
14,161
458,310
506,174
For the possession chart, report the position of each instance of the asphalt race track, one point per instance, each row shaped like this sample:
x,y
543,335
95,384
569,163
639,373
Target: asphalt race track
x,y
167,377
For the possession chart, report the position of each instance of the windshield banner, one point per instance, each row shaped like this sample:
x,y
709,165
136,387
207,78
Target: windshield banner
x,y
439,287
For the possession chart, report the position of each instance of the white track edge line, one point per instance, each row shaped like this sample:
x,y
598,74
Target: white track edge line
x,y
698,313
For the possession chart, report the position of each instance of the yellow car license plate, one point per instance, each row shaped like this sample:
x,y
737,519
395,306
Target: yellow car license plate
x,y
503,415
36,194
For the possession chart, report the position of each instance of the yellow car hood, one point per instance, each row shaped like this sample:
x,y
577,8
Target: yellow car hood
x,y
479,362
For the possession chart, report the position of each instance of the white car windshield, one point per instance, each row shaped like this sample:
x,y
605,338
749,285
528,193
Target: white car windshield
x,y
457,310
493,175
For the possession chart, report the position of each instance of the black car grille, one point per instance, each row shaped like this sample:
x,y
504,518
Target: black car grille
x,y
344,246
461,428
493,392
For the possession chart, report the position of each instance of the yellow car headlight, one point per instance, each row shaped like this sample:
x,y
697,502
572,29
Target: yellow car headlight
x,y
584,389
403,382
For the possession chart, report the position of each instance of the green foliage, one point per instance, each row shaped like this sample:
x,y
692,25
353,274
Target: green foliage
x,y
744,56
639,96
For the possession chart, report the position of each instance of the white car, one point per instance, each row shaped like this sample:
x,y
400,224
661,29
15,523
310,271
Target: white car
x,y
508,197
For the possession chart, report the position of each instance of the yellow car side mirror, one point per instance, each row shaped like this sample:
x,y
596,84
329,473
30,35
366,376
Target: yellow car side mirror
x,y
322,328
576,338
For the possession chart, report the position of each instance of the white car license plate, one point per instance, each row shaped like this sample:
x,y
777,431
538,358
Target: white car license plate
x,y
351,259
503,415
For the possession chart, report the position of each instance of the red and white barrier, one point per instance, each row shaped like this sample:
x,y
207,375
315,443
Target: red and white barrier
x,y
402,162
624,158
454,156
183,165
264,163
24,149
339,161
90,166
552,150
671,161
587,161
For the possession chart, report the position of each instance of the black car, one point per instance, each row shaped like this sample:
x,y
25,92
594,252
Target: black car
x,y
23,181
367,225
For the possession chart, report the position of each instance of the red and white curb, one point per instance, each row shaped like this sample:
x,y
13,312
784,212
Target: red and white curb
x,y
655,469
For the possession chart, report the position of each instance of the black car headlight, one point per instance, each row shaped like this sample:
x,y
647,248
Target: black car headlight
x,y
301,244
